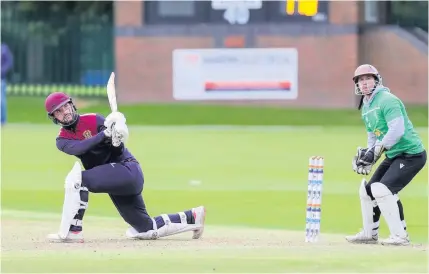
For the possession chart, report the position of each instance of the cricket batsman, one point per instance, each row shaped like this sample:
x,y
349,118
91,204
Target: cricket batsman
x,y
390,132
109,168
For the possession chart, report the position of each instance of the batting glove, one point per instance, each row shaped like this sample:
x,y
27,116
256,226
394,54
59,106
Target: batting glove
x,y
108,132
120,134
114,117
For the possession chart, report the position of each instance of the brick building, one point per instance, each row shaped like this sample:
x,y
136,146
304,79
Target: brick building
x,y
329,50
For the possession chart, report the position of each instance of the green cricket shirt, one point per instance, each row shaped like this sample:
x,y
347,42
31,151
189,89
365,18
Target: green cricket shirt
x,y
381,109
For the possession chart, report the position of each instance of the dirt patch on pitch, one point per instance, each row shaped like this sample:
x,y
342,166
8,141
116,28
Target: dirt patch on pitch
x,y
30,235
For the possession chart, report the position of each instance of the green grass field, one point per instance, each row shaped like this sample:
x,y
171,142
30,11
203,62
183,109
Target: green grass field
x,y
253,181
31,110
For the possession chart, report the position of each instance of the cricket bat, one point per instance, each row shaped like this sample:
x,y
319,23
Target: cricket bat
x,y
111,93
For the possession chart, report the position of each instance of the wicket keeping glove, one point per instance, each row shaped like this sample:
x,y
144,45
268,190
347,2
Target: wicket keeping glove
x,y
358,166
372,155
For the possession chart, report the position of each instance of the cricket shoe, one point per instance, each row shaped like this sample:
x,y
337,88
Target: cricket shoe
x,y
361,238
396,240
199,214
72,237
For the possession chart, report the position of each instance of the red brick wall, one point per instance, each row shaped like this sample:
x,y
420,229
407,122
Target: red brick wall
x,y
403,67
144,64
343,12
321,82
128,13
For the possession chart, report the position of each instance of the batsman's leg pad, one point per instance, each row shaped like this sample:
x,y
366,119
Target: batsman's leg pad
x,y
77,222
367,207
72,200
388,204
401,212
171,228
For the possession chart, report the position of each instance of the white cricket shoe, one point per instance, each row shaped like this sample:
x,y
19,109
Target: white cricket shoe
x,y
199,214
72,237
396,240
361,238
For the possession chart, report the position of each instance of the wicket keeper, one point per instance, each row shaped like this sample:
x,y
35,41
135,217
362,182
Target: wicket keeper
x,y
109,167
390,132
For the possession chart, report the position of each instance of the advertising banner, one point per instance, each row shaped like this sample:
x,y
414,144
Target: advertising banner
x,y
235,74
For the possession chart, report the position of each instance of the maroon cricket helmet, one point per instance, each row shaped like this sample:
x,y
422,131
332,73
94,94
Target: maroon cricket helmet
x,y
56,100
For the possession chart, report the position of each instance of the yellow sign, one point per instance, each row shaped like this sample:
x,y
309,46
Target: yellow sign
x,y
305,7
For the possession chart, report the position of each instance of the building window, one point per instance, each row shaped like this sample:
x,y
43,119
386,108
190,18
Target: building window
x,y
371,11
173,12
176,8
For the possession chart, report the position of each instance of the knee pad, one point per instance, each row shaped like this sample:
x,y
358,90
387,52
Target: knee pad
x,y
380,190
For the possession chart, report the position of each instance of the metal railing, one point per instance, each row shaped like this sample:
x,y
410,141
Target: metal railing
x,y
72,53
